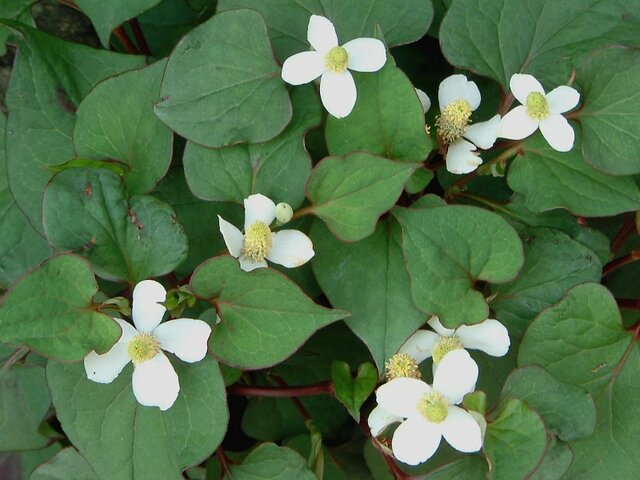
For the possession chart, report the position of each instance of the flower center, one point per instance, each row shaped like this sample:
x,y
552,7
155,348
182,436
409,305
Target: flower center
x,y
143,347
537,106
453,120
257,241
444,346
401,365
434,407
336,60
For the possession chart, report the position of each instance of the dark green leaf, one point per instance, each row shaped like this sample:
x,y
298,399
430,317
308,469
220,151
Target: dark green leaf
x,y
272,462
555,463
68,464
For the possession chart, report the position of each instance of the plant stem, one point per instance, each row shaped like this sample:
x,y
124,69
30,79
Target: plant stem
x,y
124,39
613,265
303,212
628,303
323,388
625,230
140,40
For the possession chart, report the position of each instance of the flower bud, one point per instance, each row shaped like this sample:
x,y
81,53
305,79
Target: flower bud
x,y
284,212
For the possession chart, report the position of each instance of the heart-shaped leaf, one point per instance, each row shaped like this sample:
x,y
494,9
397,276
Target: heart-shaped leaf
x,y
352,392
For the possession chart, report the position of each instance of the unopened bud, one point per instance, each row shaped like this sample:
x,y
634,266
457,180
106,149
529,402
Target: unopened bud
x,y
284,212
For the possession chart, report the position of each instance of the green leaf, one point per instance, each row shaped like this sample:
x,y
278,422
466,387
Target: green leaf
x,y
116,121
234,80
448,249
497,38
387,120
19,10
287,20
164,25
277,168
128,239
106,16
555,463
49,310
549,179
350,193
49,80
610,117
272,462
68,464
120,438
24,401
26,461
470,467
265,317
383,314
419,180
352,392
567,410
515,441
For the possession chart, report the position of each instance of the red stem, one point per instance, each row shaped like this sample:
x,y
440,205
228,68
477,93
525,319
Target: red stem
x,y
625,230
628,303
124,39
324,388
613,265
141,41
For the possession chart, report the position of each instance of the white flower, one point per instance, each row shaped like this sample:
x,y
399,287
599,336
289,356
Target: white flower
x,y
429,413
425,101
458,98
155,382
290,248
332,63
489,336
541,110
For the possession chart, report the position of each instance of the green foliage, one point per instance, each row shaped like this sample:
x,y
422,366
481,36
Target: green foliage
x,y
68,464
352,392
271,461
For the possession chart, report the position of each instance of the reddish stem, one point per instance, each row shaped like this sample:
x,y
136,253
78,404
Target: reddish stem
x,y
140,40
124,39
71,4
224,460
613,265
628,303
397,472
507,100
625,230
172,279
324,388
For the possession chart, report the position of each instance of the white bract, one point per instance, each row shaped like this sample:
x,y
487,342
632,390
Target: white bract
x,y
332,63
290,248
429,413
155,382
540,110
458,98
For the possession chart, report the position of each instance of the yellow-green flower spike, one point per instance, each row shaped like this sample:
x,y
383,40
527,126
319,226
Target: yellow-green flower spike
x,y
434,407
537,106
444,346
257,241
336,60
401,365
452,123
143,347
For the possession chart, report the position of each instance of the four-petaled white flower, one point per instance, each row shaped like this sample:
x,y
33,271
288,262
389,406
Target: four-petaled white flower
x,y
458,98
155,382
490,336
332,63
429,413
290,248
540,110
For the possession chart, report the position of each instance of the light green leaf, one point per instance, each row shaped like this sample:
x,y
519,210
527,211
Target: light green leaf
x,y
352,392
350,193
68,464
49,310
116,121
287,20
448,249
233,92
272,462
122,439
383,314
549,179
515,441
88,211
610,118
278,168
265,317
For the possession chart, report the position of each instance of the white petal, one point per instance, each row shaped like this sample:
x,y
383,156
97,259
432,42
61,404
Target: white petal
x,y
489,336
480,420
483,134
420,345
379,419
456,375
233,238
366,54
155,382
184,337
461,430
105,368
457,87
303,67
400,396
425,101
461,157
434,322
247,264
145,307
516,124
522,84
128,331
557,131
258,208
415,441
562,99
291,248
321,34
338,93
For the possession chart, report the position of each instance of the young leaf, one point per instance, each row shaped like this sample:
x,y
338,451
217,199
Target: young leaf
x,y
271,461
352,392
